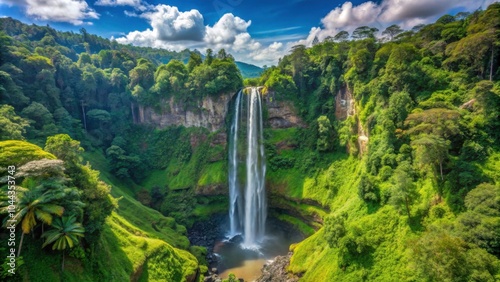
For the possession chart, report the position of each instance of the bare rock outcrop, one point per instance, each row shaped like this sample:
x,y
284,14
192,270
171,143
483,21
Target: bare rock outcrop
x,y
209,113
282,114
277,271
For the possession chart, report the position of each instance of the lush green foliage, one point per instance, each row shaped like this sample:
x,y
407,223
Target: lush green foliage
x,y
415,197
421,141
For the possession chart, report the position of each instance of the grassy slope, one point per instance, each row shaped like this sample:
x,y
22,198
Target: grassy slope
x,y
135,235
335,186
387,232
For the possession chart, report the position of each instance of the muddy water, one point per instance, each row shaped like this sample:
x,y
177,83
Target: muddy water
x,y
247,263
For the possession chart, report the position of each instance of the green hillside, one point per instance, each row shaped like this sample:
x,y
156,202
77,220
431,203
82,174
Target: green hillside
x,y
391,168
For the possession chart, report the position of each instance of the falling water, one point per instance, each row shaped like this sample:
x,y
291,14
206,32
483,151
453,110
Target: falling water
x,y
252,218
235,205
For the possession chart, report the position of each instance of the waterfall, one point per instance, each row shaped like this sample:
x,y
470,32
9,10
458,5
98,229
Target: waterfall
x,y
248,209
235,205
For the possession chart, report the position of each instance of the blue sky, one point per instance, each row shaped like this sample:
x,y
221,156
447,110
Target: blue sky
x,y
258,31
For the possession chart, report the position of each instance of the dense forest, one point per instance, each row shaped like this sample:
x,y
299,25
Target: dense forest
x,y
393,172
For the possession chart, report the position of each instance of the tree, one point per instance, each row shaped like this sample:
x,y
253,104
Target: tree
x,y
64,235
10,93
392,31
418,27
431,149
367,189
209,57
363,32
44,168
142,74
400,73
179,75
39,114
446,19
315,41
440,256
33,205
335,229
11,125
341,36
101,117
299,61
403,191
480,224
325,134
400,104
194,61
64,148
440,122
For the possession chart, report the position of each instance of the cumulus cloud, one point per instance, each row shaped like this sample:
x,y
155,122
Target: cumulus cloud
x,y
132,3
169,24
176,30
226,29
349,15
140,5
71,11
406,13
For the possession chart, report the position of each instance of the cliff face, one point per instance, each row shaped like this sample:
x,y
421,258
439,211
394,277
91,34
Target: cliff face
x,y
210,113
344,104
282,114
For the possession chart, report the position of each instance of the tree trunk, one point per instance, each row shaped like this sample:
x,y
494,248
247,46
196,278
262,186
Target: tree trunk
x,y
62,265
83,114
20,244
441,169
132,108
491,62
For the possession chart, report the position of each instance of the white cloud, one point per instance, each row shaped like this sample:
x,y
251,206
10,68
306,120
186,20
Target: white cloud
x,y
349,15
406,13
269,54
139,5
133,3
176,30
71,11
169,24
226,30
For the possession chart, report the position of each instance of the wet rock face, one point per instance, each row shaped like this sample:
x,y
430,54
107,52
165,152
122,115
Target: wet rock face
x,y
276,271
282,114
344,104
209,113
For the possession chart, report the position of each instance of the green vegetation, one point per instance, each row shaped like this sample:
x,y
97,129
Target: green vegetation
x,y
395,173
422,145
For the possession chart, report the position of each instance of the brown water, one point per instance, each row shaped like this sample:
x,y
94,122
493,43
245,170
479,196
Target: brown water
x,y
249,270
247,263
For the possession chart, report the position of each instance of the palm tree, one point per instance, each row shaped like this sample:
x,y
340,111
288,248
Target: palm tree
x,y
33,205
64,234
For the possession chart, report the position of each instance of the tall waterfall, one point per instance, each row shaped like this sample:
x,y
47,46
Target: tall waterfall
x,y
236,203
248,209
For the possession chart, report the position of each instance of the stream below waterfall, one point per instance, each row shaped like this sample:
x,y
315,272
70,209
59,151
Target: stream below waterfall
x,y
244,263
228,256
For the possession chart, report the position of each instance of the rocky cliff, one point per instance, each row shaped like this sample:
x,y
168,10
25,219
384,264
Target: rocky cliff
x,y
211,114
282,114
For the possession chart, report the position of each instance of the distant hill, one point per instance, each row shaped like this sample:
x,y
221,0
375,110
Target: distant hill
x,y
248,70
